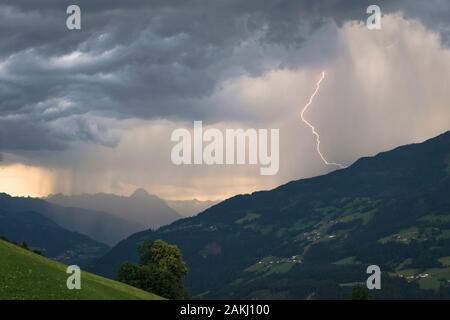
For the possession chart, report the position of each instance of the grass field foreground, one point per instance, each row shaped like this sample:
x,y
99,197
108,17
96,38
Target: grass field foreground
x,y
25,275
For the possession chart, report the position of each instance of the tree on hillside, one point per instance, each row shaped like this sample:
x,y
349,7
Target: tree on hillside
x,y
161,270
24,245
360,292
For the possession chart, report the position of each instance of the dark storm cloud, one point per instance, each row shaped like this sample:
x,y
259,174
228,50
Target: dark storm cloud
x,y
144,59
26,135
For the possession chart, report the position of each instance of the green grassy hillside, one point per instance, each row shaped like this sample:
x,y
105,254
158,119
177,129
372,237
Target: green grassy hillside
x,y
25,275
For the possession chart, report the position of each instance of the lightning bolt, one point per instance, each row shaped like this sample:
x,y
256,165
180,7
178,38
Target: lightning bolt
x,y
313,129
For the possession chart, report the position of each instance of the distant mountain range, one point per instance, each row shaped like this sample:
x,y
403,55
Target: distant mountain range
x,y
141,210
43,234
78,229
314,238
100,226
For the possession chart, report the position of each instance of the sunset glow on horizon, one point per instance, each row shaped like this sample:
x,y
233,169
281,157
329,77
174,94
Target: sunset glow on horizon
x,y
24,180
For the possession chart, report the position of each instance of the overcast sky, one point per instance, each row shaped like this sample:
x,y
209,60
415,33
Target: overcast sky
x,y
92,110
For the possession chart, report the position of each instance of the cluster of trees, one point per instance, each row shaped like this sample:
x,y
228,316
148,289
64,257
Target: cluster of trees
x,y
161,270
23,245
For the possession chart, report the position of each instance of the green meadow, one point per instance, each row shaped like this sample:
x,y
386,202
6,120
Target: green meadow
x,y
25,275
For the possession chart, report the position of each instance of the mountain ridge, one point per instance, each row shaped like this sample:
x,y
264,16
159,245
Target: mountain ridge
x,y
141,209
100,226
396,201
55,242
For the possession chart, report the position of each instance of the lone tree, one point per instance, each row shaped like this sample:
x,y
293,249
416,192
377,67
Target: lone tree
x,y
161,270
24,245
360,292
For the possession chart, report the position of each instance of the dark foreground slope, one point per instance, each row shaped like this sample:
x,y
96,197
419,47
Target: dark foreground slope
x,y
314,238
27,276
100,226
50,239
